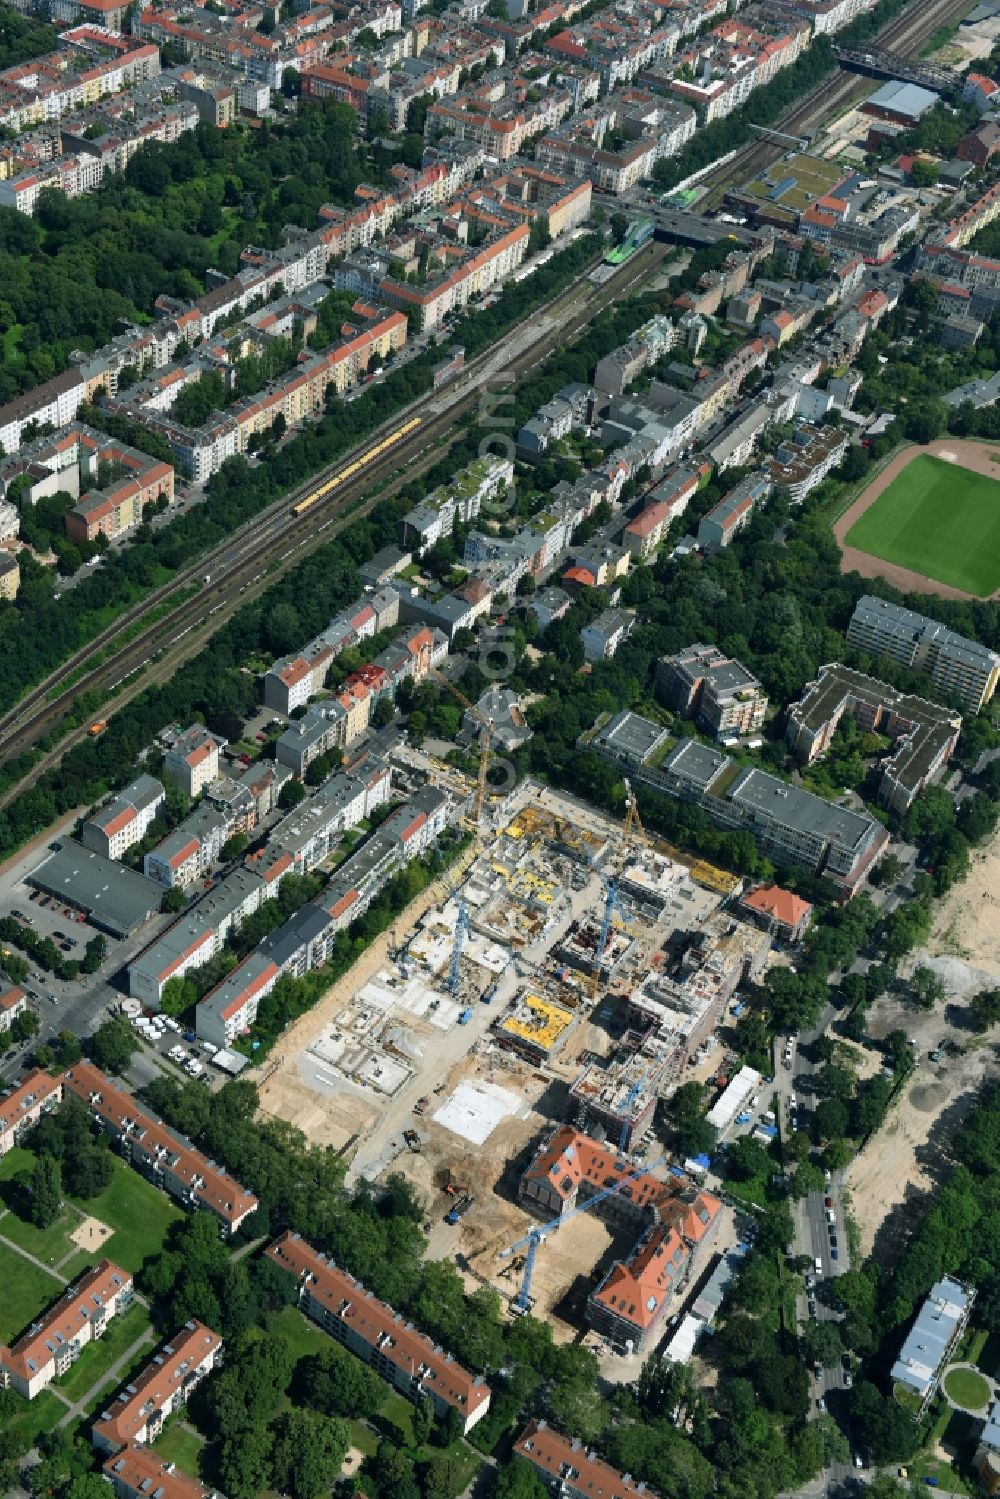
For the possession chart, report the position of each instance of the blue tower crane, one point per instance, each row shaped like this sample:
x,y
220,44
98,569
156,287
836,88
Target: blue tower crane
x,y
537,1236
630,1098
461,928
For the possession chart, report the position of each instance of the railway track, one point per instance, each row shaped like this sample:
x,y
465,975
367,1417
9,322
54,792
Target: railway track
x,y
244,563
19,726
905,33
247,565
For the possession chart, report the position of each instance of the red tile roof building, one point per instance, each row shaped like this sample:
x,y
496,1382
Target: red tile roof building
x,y
157,1152
406,1358
23,1108
771,905
570,1470
631,1301
54,1343
139,1473
139,1410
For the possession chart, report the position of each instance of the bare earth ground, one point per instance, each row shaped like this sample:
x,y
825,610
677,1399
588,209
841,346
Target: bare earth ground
x,y
91,1234
284,1094
971,455
964,948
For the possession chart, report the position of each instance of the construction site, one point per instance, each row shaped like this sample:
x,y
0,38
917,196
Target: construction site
x,y
567,978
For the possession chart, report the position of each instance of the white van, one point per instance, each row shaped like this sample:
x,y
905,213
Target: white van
x,y
819,1265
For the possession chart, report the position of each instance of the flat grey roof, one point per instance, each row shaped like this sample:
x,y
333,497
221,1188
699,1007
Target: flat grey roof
x,y
791,807
630,735
931,1335
695,761
116,898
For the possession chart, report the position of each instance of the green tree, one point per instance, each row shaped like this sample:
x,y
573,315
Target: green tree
x,y
113,1045
46,1192
984,1009
291,793
821,1343
384,712
173,900
308,1453
928,987
25,1026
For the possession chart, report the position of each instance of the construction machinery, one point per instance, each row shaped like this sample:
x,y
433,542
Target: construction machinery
x,y
537,1236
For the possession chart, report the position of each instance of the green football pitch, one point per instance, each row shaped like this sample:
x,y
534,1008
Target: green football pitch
x,y
940,520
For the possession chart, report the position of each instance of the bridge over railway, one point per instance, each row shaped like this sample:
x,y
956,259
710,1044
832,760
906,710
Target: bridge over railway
x,y
879,62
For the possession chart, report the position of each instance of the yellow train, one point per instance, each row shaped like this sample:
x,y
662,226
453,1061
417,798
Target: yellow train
x,y
343,475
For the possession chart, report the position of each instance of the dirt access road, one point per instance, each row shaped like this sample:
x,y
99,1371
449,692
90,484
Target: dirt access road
x,y
899,1166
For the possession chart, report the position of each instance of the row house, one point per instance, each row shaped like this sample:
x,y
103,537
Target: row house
x,y
379,1336
310,832
36,1095
571,1470
291,681
13,1002
167,1160
139,1411
460,499
197,935
230,1009
125,820
53,1343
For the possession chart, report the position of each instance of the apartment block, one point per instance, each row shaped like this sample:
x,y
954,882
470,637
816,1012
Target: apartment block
x,y
138,1472
705,684
932,1337
805,459
959,668
789,823
733,512
125,820
616,371
21,1110
13,1002
162,1156
459,500
192,761
54,1342
924,734
188,853
139,1410
380,1337
231,1007
605,633
570,1470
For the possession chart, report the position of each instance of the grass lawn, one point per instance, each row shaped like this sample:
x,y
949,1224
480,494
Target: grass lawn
x,y
398,1411
14,1162
35,1416
924,1465
26,1291
941,520
50,1245
361,1436
181,1445
303,1337
139,1213
967,1388
98,1357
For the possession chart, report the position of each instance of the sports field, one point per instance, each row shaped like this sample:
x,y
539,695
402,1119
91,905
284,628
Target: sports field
x,y
938,519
